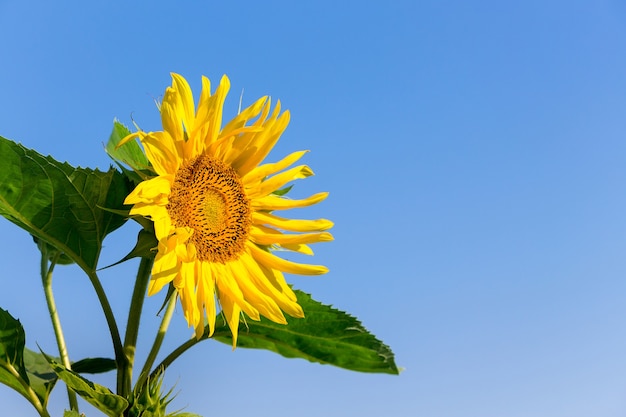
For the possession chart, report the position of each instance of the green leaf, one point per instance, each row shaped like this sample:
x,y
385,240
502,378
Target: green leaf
x,y
144,248
283,191
72,413
94,365
42,377
59,204
130,153
12,340
325,335
20,368
97,395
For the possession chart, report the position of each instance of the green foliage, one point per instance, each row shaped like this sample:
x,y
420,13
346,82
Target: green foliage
x,y
283,191
325,335
97,395
59,204
72,413
21,369
12,340
41,376
144,248
129,154
94,365
149,399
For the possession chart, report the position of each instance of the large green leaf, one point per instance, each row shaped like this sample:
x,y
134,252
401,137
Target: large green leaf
x,y
325,335
97,395
62,205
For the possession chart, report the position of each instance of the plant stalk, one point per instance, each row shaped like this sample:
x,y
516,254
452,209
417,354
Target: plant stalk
x,y
30,395
46,277
169,359
158,340
118,348
125,375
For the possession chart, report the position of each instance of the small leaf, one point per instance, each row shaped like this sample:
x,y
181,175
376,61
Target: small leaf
x,y
144,248
72,413
130,153
97,395
12,341
59,204
42,377
325,335
94,365
283,191
19,369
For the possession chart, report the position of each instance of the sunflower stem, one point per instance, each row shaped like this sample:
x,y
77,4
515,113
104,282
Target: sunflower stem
x,y
30,394
125,375
118,348
158,340
46,278
169,359
174,355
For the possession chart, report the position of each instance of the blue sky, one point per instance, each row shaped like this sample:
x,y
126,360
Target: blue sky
x,y
476,158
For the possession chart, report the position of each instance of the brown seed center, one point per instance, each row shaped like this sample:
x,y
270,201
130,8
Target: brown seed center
x,y
208,196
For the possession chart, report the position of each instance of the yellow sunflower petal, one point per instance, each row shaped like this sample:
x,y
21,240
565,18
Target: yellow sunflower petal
x,y
187,109
185,284
274,202
171,115
226,283
162,152
246,114
277,278
264,304
266,281
164,270
273,261
267,236
130,137
260,218
264,141
265,170
298,247
206,296
152,191
277,181
231,311
214,116
151,211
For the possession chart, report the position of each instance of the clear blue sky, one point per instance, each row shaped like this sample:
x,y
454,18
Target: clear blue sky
x,y
475,153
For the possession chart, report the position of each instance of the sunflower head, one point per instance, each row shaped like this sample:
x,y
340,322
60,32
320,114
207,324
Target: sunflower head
x,y
213,201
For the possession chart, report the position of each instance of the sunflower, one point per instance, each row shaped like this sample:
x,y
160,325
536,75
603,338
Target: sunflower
x,y
212,201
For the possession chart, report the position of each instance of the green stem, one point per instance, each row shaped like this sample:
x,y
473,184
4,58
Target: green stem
x,y
120,357
174,355
46,278
125,375
30,394
158,340
169,359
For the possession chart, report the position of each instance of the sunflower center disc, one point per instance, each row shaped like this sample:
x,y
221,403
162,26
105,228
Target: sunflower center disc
x,y
208,196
